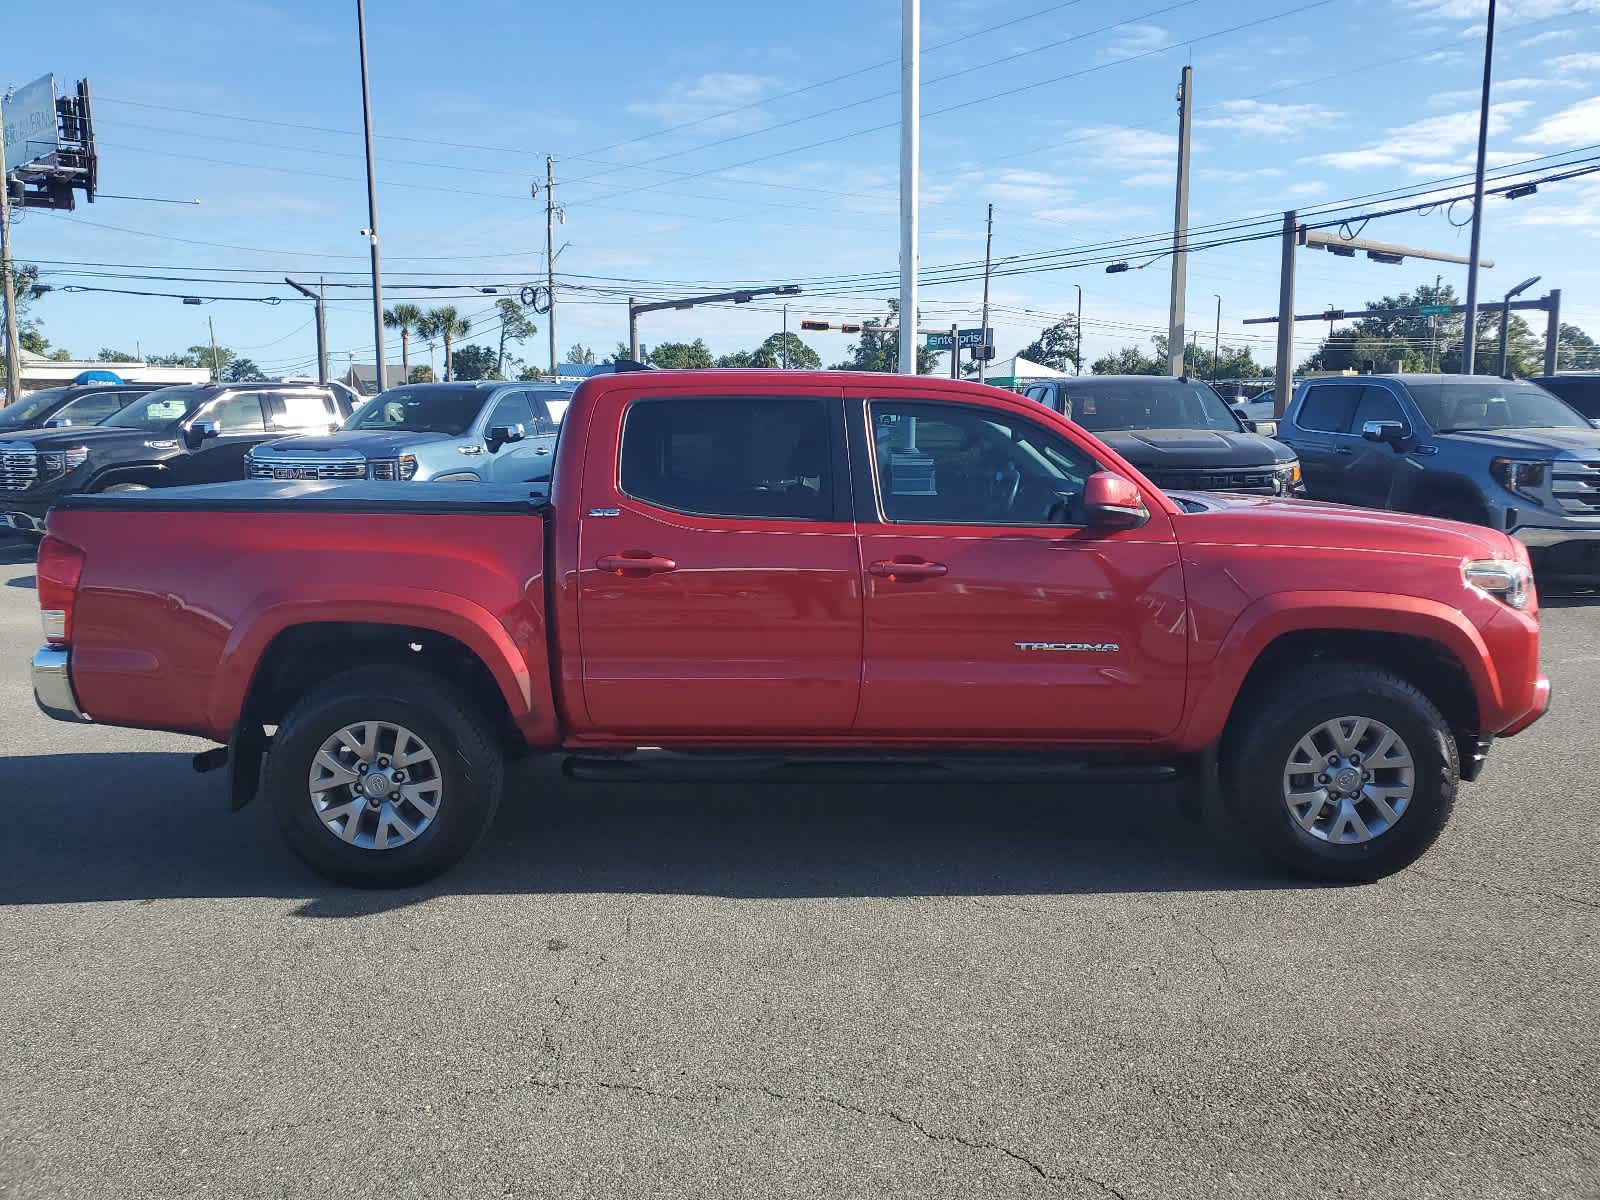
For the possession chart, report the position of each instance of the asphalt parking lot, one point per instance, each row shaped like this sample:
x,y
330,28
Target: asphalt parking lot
x,y
731,991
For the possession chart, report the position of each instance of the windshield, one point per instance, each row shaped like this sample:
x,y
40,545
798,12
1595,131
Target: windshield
x,y
426,409
1473,405
159,409
29,409
1153,403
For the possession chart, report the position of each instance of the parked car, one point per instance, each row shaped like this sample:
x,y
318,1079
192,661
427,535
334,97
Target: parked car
x,y
1581,390
1497,452
172,436
84,404
1179,433
487,430
843,572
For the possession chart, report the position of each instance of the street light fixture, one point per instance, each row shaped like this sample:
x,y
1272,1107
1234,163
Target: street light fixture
x,y
1505,318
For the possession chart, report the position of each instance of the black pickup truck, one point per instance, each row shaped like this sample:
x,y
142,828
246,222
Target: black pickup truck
x,y
177,435
1178,432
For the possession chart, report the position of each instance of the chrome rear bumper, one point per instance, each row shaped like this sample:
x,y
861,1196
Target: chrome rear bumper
x,y
52,684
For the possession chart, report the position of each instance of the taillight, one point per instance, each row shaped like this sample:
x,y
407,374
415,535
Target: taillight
x,y
59,569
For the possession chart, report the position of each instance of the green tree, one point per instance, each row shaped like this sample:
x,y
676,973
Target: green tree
x,y
405,318
446,324
737,360
30,330
475,362
579,353
421,374
109,355
1056,347
1576,350
1131,360
514,327
788,351
879,348
623,353
241,370
681,355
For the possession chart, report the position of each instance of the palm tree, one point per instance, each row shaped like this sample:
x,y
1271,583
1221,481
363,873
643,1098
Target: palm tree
x,y
405,318
444,323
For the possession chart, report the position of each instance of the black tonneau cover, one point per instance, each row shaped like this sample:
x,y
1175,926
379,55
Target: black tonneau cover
x,y
325,496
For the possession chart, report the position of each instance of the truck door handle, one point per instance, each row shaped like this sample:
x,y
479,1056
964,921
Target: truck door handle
x,y
541,449
635,562
1343,450
906,568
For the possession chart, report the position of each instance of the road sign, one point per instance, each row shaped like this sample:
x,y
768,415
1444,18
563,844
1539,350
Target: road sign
x,y
1436,310
968,337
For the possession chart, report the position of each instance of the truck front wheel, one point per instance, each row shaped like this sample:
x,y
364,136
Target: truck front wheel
x,y
383,777
1342,771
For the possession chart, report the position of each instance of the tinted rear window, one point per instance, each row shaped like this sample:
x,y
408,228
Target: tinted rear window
x,y
730,456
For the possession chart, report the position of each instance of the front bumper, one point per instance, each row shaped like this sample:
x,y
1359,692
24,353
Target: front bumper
x,y
22,522
52,684
1541,705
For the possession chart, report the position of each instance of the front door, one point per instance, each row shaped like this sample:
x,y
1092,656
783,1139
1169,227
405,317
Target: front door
x,y
992,614
1370,471
1319,436
242,421
719,586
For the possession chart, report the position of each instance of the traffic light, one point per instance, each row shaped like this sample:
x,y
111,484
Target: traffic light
x,y
848,328
814,326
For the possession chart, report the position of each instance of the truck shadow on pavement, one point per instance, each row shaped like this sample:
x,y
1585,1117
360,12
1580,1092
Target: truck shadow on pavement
x,y
144,827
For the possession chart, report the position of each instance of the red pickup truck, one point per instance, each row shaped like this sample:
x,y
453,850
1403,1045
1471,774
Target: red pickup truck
x,y
752,572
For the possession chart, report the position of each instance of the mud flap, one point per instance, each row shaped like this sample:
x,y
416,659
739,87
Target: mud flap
x,y
246,748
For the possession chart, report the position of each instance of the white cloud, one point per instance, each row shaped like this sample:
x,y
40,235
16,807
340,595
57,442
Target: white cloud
x,y
1136,39
1088,214
1529,83
1554,35
1024,187
709,94
1573,206
1573,63
1510,11
1569,126
1260,119
1309,190
1429,138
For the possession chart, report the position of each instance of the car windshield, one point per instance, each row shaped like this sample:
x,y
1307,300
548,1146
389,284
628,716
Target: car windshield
x,y
1106,407
1474,405
30,409
424,409
159,410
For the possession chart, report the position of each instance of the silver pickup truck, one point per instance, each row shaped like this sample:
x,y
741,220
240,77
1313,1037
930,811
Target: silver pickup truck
x,y
489,430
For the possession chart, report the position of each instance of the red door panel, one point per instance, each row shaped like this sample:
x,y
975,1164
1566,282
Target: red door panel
x,y
1100,621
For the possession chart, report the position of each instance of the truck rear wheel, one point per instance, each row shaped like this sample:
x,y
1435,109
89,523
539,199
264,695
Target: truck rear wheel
x,y
1343,772
383,777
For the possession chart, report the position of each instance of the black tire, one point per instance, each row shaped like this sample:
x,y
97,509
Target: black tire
x,y
1270,723
470,769
1456,508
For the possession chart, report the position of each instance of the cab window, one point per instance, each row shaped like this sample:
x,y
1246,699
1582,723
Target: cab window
x,y
1327,408
954,464
731,456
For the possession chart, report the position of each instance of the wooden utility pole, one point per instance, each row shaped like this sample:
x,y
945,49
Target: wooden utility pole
x,y
1180,226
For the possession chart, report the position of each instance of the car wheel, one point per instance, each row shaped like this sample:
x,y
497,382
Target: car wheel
x,y
1342,772
1454,508
383,777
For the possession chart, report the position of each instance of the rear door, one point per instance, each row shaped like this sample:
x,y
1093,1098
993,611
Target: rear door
x,y
719,582
1317,430
991,613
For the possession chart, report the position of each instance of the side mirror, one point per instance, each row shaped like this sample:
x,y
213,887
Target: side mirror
x,y
200,432
502,435
1111,502
1389,432
1249,425
58,423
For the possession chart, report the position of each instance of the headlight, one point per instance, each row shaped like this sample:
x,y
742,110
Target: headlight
x,y
1288,476
59,462
1520,476
1507,581
404,467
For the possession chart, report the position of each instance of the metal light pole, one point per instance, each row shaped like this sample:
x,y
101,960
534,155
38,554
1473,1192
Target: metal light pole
x,y
988,247
1216,340
1077,336
372,199
1180,226
910,166
1505,318
322,327
1469,343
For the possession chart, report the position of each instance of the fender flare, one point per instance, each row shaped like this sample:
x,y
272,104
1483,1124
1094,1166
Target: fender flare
x,y
109,475
420,608
1273,616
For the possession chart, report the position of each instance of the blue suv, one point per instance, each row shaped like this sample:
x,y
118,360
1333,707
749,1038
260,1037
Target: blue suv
x,y
1497,452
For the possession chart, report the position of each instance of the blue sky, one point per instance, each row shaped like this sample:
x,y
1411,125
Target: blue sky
x,y
662,182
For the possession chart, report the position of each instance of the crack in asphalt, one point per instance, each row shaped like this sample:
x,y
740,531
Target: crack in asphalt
x,y
1513,893
900,1118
